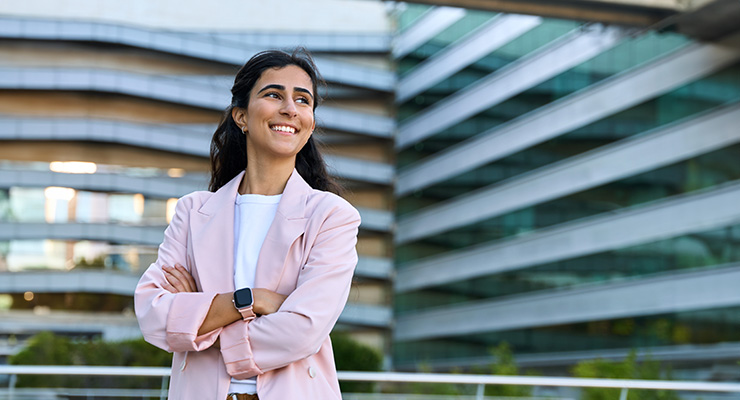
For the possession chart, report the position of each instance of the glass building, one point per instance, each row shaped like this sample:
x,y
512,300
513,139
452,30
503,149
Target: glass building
x,y
572,189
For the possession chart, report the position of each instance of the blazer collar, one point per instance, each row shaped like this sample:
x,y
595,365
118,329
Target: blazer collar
x,y
213,235
292,204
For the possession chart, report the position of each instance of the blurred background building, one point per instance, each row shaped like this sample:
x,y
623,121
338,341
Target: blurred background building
x,y
106,115
563,178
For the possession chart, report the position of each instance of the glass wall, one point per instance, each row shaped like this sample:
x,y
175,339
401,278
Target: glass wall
x,y
690,327
39,255
703,249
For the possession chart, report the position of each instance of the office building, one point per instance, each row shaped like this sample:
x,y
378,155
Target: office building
x,y
569,188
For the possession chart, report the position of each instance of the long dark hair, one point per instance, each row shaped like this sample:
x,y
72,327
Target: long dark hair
x,y
229,144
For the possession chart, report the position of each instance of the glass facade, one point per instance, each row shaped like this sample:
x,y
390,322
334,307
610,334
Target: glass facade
x,y
708,249
39,255
684,328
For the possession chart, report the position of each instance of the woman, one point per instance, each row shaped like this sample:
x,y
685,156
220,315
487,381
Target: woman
x,y
253,274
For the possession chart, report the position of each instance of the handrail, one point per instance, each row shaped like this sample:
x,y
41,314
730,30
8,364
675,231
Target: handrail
x,y
404,377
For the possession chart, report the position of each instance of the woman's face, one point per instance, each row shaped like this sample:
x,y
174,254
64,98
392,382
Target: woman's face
x,y
279,117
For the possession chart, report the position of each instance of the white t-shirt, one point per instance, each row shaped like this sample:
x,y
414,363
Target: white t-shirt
x,y
253,215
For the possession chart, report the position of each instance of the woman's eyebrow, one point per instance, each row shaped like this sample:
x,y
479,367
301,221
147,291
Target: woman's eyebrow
x,y
281,87
272,86
300,89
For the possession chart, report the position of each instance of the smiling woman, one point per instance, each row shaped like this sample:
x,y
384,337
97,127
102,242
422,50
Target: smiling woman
x,y
252,275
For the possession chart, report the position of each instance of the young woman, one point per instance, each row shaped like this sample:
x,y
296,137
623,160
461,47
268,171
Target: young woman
x,y
253,274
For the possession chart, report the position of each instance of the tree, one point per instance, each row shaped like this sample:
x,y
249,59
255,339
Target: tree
x,y
504,364
350,355
629,368
47,348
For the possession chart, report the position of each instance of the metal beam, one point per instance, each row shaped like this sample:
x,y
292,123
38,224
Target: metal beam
x,y
670,217
367,267
154,187
622,12
629,157
720,352
565,53
210,92
431,23
142,235
489,37
669,293
184,139
202,46
606,98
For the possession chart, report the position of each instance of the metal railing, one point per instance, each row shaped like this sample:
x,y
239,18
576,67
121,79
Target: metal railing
x,y
479,381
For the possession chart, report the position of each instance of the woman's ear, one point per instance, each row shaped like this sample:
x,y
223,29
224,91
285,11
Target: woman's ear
x,y
240,117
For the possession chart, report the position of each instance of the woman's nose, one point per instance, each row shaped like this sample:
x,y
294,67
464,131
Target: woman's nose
x,y
289,108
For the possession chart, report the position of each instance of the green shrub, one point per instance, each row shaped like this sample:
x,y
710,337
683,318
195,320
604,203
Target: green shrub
x,y
629,368
47,348
350,355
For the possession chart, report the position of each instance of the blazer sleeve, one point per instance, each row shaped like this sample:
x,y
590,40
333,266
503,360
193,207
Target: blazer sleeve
x,y
167,320
308,314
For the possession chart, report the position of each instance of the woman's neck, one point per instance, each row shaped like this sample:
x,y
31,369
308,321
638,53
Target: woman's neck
x,y
264,179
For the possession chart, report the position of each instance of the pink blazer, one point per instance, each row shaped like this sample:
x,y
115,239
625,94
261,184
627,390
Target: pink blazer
x,y
308,254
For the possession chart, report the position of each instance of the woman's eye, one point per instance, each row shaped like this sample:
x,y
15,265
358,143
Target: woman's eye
x,y
273,95
303,100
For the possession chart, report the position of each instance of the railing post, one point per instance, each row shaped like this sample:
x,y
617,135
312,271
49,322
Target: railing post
x,y
11,386
623,394
163,388
480,392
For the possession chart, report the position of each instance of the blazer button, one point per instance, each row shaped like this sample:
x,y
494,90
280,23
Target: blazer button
x,y
311,372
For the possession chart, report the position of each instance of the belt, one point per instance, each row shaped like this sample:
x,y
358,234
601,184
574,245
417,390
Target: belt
x,y
241,396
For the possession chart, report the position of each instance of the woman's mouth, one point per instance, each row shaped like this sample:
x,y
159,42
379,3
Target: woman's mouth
x,y
284,129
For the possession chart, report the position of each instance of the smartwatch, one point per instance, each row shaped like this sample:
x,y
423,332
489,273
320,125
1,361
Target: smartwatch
x,y
243,301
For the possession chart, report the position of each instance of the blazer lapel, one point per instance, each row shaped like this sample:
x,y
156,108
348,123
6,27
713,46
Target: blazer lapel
x,y
288,225
212,230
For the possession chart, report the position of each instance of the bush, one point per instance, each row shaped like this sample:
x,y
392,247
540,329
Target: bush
x,y
350,355
47,348
505,365
629,368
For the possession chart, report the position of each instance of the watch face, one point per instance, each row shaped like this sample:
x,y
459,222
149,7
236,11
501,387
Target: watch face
x,y
243,298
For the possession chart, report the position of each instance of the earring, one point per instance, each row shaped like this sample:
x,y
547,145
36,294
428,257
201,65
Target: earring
x,y
244,130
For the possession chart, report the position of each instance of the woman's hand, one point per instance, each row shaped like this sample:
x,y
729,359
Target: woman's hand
x,y
179,279
266,301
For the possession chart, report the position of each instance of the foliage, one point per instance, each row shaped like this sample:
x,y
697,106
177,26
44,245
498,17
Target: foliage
x,y
629,368
505,365
47,348
350,355
435,388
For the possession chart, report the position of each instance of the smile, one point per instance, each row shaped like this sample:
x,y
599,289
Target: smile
x,y
283,128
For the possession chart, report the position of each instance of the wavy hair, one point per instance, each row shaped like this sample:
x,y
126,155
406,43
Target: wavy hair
x,y
229,144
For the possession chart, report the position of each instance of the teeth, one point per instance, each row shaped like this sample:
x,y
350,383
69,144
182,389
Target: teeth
x,y
283,128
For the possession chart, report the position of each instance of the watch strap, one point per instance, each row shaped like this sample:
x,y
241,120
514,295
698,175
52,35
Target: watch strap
x,y
247,313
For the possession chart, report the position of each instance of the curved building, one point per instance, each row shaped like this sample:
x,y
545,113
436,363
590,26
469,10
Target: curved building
x,y
569,188
106,116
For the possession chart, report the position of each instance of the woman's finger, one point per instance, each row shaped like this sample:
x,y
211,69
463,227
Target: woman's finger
x,y
188,277
166,285
173,279
184,277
